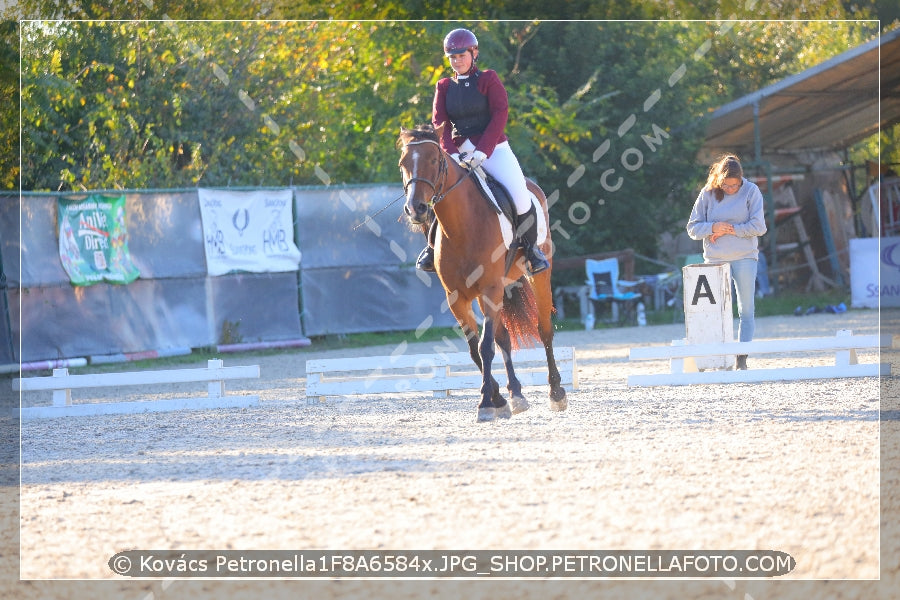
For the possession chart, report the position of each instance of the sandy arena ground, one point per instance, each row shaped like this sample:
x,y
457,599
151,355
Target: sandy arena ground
x,y
789,466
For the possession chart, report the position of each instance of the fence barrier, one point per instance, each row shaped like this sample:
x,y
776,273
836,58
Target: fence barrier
x,y
61,383
436,373
684,371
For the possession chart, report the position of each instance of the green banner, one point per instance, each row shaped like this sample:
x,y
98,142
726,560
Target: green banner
x,y
93,240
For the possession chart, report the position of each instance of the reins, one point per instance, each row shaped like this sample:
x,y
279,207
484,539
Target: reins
x,y
443,171
379,211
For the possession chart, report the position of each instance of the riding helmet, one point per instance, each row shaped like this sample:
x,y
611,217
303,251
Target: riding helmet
x,y
460,40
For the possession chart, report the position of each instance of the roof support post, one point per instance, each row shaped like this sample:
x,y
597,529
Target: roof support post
x,y
769,193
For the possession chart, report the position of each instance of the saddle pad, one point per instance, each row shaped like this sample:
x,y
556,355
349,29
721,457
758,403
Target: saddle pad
x,y
506,226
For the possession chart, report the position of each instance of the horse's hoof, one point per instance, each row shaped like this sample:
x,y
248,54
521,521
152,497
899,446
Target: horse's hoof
x,y
519,404
558,394
559,405
486,414
504,412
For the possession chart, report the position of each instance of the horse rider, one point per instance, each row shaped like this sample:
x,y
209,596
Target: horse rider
x,y
475,103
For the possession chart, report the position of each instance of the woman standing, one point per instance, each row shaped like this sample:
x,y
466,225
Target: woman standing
x,y
475,106
729,217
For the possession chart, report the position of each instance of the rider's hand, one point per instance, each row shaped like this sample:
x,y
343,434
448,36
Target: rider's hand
x,y
455,157
478,157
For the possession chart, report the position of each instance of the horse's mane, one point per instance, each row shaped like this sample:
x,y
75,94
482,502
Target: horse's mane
x,y
423,131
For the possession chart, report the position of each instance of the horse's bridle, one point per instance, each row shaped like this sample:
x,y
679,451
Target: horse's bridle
x,y
443,171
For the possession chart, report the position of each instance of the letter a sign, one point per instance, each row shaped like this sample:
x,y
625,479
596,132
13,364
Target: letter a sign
x,y
702,290
707,310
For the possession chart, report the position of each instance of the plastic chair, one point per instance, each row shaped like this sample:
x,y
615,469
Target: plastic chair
x,y
604,286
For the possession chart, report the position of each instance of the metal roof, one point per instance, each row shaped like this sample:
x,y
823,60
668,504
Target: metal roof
x,y
830,106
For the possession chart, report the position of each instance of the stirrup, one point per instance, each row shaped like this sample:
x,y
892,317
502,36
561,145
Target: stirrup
x,y
425,262
537,262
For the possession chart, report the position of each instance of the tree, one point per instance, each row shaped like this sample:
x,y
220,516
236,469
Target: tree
x,y
633,157
100,104
153,104
9,118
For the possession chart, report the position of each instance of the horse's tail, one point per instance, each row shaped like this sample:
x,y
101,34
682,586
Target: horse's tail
x,y
520,314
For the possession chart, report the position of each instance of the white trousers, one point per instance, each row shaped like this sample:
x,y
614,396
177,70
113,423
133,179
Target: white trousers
x,y
503,166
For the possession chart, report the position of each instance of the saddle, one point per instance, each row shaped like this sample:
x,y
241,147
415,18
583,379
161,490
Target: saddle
x,y
494,193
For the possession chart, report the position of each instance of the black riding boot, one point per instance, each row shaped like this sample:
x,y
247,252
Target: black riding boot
x,y
425,262
526,234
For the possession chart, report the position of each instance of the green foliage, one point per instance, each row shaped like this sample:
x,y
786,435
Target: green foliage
x,y
9,116
231,333
887,143
621,147
102,106
217,103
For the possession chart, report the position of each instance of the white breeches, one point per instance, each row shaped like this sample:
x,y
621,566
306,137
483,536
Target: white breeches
x,y
503,166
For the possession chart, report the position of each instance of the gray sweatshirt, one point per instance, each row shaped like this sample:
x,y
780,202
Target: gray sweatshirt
x,y
744,210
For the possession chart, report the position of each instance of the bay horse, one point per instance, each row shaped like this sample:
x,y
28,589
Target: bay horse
x,y
471,262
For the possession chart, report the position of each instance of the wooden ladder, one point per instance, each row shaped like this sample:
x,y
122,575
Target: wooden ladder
x,y
817,280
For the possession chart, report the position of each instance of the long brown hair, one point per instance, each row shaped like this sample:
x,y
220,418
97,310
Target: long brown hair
x,y
726,167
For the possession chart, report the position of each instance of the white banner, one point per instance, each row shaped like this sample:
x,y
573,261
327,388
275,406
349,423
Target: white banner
x,y
248,231
874,272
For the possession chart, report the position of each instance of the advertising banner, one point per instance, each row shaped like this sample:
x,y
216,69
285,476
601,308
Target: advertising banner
x,y
874,272
93,240
250,231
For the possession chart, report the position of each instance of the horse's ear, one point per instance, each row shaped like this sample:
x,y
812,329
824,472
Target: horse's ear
x,y
439,130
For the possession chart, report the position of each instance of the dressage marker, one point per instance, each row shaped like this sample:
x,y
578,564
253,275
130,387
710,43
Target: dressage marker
x,y
436,373
683,367
62,384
